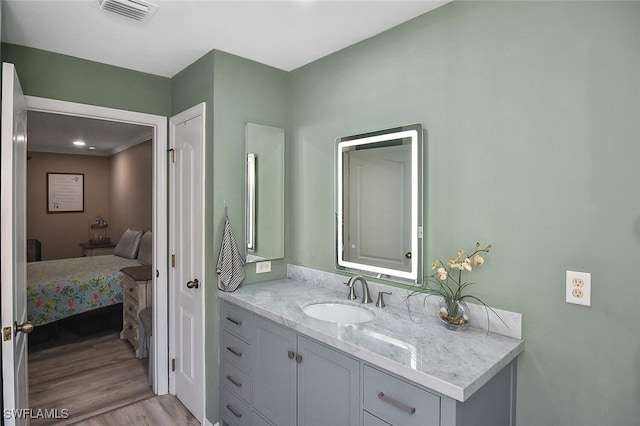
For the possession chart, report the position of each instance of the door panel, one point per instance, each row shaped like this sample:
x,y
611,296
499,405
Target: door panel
x,y
13,244
380,234
187,247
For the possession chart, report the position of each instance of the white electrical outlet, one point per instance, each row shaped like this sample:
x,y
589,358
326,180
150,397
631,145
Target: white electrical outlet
x,y
578,288
262,267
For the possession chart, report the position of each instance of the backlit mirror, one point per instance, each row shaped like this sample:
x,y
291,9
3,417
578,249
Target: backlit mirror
x,y
264,192
379,203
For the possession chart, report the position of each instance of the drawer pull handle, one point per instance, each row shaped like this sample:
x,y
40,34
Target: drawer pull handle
x,y
234,412
235,321
233,351
397,404
232,380
130,308
130,289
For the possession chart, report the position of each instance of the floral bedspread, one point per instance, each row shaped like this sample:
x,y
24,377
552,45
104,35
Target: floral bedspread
x,y
57,289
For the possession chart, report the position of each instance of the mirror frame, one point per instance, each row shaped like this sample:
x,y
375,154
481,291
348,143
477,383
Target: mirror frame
x,y
415,133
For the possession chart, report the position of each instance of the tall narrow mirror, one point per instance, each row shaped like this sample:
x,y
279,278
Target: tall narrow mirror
x,y
264,192
379,203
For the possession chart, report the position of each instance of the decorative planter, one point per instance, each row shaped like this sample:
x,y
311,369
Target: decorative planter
x,y
454,314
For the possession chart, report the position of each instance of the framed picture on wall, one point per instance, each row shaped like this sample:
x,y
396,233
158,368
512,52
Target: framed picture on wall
x,y
65,192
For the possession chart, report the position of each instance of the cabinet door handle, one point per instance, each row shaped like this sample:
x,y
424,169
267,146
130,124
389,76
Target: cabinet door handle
x,y
298,358
234,412
232,380
291,354
397,404
235,321
233,351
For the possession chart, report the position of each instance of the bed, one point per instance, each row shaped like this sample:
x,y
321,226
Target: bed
x,y
57,289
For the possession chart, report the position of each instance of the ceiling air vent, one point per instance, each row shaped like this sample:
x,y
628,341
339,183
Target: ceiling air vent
x,y
135,9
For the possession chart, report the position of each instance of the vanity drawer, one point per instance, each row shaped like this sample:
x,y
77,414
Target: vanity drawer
x,y
237,320
234,411
371,420
398,402
236,380
131,306
236,351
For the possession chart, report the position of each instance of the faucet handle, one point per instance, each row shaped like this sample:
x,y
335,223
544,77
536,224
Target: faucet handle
x,y
380,302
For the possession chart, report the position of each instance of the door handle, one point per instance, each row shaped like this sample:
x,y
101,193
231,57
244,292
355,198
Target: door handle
x,y
25,327
408,255
193,284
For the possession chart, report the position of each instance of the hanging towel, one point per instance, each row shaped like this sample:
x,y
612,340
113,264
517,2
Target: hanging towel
x,y
230,263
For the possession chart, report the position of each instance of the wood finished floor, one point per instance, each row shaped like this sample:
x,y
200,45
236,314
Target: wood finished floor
x,y
99,382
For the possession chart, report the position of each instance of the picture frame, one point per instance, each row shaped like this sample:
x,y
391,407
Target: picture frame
x,y
65,192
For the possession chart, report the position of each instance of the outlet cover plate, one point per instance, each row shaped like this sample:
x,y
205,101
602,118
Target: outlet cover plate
x,y
262,267
578,288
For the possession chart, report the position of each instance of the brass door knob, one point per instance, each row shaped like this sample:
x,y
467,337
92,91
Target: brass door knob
x,y
26,327
193,284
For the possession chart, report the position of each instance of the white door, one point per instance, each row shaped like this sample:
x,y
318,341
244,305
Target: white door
x,y
380,214
13,256
186,242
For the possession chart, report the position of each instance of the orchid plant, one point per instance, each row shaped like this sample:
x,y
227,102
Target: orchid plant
x,y
447,282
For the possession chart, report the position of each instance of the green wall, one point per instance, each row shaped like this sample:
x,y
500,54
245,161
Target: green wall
x,y
50,75
532,112
236,91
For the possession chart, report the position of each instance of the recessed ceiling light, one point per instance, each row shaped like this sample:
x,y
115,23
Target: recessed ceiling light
x,y
79,143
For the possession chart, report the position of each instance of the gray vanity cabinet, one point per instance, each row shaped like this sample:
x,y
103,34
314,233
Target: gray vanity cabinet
x,y
270,375
274,376
274,372
298,381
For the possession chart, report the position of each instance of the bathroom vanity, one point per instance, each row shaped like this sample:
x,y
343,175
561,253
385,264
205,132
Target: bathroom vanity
x,y
282,367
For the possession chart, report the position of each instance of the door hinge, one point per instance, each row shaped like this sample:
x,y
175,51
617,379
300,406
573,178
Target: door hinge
x,y
172,153
173,364
173,260
7,333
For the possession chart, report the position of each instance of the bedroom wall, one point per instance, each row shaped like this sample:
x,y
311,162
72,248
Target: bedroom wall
x,y
60,234
119,188
131,189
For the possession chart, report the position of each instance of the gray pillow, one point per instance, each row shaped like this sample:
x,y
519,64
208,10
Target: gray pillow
x,y
145,254
128,245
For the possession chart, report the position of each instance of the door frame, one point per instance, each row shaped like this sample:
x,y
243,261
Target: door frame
x,y
158,124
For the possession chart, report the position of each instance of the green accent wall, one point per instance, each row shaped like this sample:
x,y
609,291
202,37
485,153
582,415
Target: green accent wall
x,y
532,117
236,91
54,76
531,112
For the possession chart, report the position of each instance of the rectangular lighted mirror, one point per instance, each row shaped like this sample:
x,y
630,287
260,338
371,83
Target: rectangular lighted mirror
x,y
264,192
379,203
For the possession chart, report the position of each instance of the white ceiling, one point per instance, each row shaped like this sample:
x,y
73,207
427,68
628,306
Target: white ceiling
x,y
284,34
56,133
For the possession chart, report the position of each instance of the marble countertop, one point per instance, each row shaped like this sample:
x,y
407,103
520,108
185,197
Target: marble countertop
x,y
455,364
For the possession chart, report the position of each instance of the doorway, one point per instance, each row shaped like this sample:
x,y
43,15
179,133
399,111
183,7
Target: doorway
x,y
158,125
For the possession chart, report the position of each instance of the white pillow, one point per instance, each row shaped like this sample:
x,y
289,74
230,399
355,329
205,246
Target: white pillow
x,y
128,245
145,254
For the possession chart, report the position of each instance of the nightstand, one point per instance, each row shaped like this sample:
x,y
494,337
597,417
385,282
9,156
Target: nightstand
x,y
138,295
89,249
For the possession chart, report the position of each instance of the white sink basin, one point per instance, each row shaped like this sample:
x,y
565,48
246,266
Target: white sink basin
x,y
340,312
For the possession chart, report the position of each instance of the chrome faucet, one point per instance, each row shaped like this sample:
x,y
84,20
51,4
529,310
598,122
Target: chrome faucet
x,y
366,297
